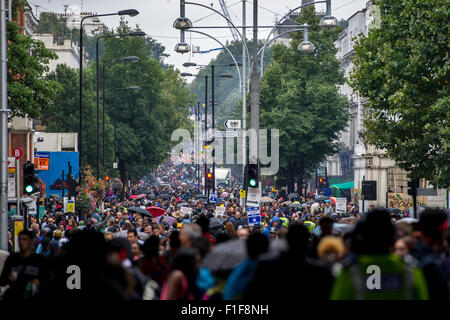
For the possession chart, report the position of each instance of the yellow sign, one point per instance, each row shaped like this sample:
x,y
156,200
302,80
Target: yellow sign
x,y
402,201
42,163
18,227
207,147
242,192
71,206
274,190
11,170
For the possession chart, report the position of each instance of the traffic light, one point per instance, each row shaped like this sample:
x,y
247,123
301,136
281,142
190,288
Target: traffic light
x,y
210,180
29,178
321,185
413,185
252,175
107,178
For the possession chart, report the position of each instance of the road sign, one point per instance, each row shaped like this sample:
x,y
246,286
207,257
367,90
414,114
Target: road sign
x,y
254,195
426,192
213,197
369,189
232,124
242,193
253,216
17,153
227,134
341,205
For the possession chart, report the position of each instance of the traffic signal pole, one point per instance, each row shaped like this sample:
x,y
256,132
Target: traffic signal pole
x,y
212,116
206,129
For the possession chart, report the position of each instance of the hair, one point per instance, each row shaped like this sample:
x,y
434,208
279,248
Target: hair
x,y
297,238
330,243
229,228
134,231
430,220
192,231
185,261
202,245
374,233
257,244
151,247
203,222
27,233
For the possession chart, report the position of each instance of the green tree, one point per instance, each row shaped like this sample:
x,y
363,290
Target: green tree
x,y
402,68
299,97
29,93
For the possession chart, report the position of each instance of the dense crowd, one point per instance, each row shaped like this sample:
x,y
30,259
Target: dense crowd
x,y
123,251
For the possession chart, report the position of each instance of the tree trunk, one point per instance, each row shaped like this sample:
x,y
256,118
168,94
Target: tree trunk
x,y
300,174
291,178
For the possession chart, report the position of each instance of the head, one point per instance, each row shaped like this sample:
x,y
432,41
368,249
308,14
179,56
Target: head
x,y
243,233
188,233
132,236
331,249
136,250
434,224
257,244
273,233
326,226
297,239
26,241
108,236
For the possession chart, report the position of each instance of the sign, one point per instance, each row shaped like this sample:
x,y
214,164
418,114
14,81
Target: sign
x,y
227,134
220,211
254,195
253,216
11,185
186,210
41,160
213,197
18,228
32,209
41,212
402,201
232,124
11,164
71,206
17,153
242,193
115,166
341,205
426,192
369,190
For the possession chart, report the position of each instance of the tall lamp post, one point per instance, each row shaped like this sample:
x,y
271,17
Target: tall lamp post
x,y
129,12
192,64
131,34
185,74
130,59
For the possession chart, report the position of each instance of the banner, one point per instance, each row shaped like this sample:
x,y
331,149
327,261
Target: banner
x,y
220,211
341,205
186,210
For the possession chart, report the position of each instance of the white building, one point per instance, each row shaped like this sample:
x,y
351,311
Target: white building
x,y
91,26
67,51
56,141
356,158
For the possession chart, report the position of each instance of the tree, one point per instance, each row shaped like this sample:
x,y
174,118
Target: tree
x,y
299,97
29,93
402,68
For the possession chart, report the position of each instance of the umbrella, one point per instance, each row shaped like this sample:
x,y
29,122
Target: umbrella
x,y
55,196
111,197
170,220
140,211
293,195
286,203
226,255
225,194
349,220
133,197
215,223
156,211
163,196
295,205
197,196
407,220
140,196
184,204
266,199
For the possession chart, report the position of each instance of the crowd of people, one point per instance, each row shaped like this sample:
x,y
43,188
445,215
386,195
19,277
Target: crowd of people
x,y
202,253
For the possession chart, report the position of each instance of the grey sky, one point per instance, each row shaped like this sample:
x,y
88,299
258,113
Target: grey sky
x,y
157,16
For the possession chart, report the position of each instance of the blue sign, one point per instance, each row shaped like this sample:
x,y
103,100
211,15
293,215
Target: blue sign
x,y
253,216
213,197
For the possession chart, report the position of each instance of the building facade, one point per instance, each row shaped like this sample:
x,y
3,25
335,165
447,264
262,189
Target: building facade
x,y
358,159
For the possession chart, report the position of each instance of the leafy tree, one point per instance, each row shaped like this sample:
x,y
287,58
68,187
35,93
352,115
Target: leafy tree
x,y
299,97
29,92
402,67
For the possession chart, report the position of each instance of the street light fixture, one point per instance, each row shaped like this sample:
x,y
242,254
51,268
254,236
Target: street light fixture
x,y
128,12
131,59
306,46
182,47
182,23
328,21
193,64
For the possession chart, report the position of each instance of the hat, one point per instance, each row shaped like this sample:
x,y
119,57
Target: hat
x,y
273,230
179,225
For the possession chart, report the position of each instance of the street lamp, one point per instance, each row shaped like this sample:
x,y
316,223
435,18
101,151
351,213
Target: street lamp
x,y
328,21
182,47
129,12
182,23
131,58
127,59
306,46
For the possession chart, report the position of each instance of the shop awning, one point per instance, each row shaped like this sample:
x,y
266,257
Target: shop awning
x,y
344,185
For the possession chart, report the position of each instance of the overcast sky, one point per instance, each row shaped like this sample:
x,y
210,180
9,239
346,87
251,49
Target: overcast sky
x,y
157,16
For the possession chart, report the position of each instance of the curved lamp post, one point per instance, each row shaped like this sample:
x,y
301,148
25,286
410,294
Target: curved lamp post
x,y
129,12
130,34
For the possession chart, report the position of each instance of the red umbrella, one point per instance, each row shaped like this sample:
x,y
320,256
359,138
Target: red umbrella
x,y
140,196
133,197
156,211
